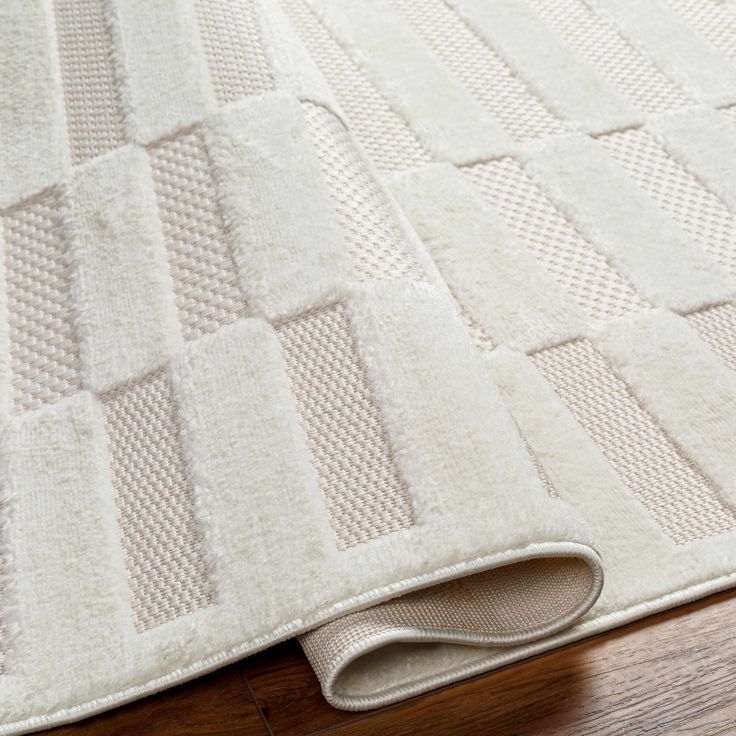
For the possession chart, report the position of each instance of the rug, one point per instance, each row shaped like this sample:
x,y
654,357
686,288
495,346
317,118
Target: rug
x,y
406,327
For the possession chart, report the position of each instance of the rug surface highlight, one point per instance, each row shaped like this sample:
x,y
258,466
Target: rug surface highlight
x,y
396,325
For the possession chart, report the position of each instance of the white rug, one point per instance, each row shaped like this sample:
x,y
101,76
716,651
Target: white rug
x,y
316,305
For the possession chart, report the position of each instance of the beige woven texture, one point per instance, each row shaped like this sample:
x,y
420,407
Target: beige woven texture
x,y
183,525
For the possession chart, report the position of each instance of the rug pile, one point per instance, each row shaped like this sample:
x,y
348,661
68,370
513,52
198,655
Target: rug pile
x,y
407,327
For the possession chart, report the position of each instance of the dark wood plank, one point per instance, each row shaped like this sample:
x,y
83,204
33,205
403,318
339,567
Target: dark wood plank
x,y
288,691
219,704
674,673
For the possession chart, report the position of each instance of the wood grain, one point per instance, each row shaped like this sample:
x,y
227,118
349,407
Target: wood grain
x,y
673,673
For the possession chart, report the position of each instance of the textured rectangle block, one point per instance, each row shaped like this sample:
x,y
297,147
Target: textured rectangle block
x,y
640,240
681,382
71,604
122,288
627,535
582,272
160,534
287,246
94,114
231,37
206,286
263,515
572,89
385,135
364,492
699,212
679,497
168,85
374,238
702,71
480,69
34,152
44,354
504,289
403,68
598,41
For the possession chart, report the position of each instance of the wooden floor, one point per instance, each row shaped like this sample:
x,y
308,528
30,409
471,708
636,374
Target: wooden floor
x,y
674,673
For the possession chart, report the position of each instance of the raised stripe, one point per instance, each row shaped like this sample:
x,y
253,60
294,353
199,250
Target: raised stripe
x,y
598,41
34,152
686,57
160,534
403,68
385,135
679,497
44,353
286,243
122,289
490,273
572,88
640,240
269,522
365,495
681,382
167,83
206,287
374,239
94,114
232,42
581,271
480,69
699,212
71,598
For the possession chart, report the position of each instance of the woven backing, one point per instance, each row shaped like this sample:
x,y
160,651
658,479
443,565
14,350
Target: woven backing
x,y
717,326
232,43
374,239
481,70
502,601
679,497
599,43
570,259
44,355
205,282
93,111
366,497
699,212
161,540
385,136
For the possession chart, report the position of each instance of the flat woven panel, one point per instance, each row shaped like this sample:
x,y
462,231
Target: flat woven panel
x,y
375,241
161,539
44,354
700,213
712,19
570,259
384,134
679,497
598,42
365,495
206,286
232,42
481,70
501,601
717,326
93,110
